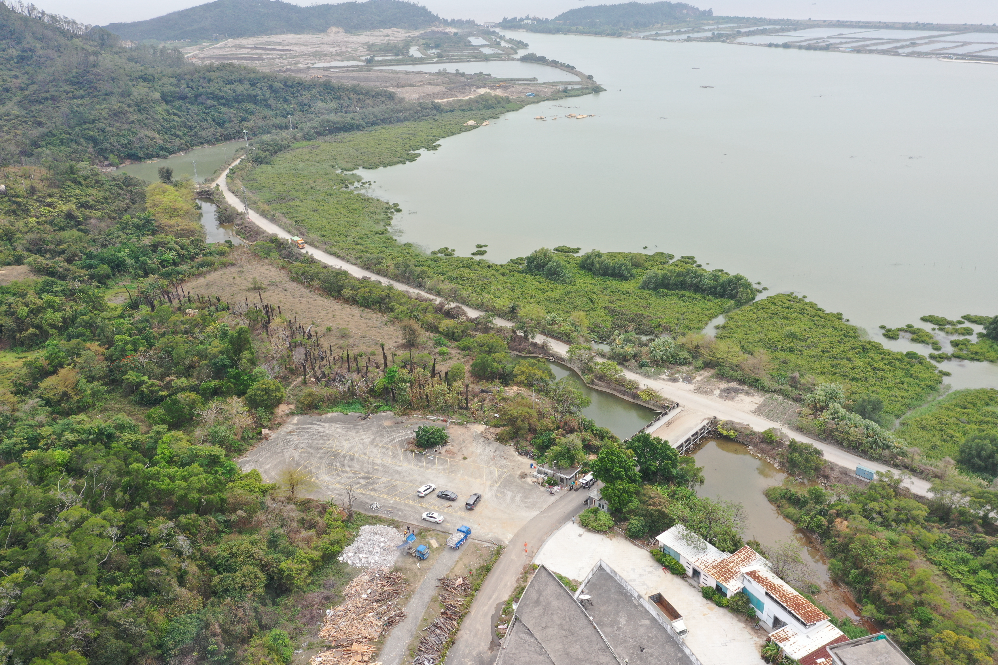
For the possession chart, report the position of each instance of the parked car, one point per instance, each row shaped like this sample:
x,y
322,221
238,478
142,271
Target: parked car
x,y
436,518
472,501
447,494
425,489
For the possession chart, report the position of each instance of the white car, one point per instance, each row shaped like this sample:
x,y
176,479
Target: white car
x,y
436,518
425,489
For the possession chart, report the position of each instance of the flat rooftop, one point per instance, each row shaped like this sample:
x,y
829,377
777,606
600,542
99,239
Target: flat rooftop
x,y
870,650
552,628
636,636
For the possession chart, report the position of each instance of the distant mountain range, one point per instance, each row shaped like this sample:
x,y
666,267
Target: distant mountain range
x,y
248,18
611,19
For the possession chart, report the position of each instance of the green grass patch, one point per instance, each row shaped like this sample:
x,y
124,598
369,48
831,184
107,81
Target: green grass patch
x,y
802,338
939,428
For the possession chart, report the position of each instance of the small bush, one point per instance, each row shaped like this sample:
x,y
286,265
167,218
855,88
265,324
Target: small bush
x,y
596,520
266,394
637,528
430,436
668,562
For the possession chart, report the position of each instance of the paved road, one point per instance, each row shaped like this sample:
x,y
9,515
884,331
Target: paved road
x,y
674,391
393,651
474,640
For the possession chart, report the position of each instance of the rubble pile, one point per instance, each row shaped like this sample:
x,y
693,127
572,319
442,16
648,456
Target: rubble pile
x,y
453,592
369,609
375,547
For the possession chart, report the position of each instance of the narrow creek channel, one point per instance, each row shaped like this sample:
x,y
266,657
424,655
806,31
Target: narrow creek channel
x,y
731,473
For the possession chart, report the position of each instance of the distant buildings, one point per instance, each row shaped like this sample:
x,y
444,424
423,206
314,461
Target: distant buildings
x,y
802,630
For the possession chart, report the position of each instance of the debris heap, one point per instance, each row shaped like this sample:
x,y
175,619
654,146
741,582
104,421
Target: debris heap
x,y
453,592
376,546
370,608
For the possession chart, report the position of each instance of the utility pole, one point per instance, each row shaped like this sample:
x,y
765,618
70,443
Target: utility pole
x,y
290,126
194,162
246,136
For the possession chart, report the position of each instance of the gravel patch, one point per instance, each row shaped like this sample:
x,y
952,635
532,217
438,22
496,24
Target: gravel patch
x,y
374,547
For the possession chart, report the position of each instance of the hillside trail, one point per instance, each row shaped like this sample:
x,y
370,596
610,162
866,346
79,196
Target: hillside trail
x,y
677,392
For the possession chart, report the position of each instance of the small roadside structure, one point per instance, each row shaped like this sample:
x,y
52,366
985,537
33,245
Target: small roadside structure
x,y
596,500
801,630
876,649
563,476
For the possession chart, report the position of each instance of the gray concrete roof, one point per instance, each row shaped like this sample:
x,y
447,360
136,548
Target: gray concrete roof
x,y
520,646
871,650
635,636
549,621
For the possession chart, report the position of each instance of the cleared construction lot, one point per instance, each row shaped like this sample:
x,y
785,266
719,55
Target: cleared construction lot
x,y
371,457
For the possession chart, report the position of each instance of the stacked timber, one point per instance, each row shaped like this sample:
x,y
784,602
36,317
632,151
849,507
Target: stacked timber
x,y
453,592
369,610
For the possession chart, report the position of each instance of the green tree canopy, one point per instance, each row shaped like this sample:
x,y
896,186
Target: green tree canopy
x,y
979,453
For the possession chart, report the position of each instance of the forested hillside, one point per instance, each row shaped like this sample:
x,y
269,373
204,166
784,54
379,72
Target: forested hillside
x,y
248,18
612,19
82,96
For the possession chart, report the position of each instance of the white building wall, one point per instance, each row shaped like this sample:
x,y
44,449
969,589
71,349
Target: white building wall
x,y
773,609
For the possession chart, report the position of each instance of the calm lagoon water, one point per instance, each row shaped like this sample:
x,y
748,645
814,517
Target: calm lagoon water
x,y
623,418
865,183
208,160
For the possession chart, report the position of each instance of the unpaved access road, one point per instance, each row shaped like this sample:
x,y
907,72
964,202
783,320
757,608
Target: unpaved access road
x,y
678,392
371,457
474,645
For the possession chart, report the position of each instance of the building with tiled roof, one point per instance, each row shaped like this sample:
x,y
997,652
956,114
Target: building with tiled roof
x,y
763,582
800,629
727,572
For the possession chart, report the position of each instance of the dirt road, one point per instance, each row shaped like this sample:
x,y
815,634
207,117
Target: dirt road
x,y
473,644
674,391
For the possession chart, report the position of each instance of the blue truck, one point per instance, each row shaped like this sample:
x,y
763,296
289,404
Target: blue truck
x,y
458,539
865,474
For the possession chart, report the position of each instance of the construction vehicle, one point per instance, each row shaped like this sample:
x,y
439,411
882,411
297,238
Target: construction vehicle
x,y
671,613
455,541
420,552
299,243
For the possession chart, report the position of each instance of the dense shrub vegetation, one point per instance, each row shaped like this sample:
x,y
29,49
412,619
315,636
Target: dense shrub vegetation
x,y
129,534
809,345
925,572
939,429
83,97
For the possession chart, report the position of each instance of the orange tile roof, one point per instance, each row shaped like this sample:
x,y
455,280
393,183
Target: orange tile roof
x,y
727,570
792,600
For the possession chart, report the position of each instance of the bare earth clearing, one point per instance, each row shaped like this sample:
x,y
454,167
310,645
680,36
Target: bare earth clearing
x,y
371,457
341,57
352,328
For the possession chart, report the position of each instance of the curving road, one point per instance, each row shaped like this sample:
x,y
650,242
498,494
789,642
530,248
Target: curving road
x,y
674,391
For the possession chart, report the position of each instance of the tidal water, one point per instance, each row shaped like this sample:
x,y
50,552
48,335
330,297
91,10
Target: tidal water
x,y
866,183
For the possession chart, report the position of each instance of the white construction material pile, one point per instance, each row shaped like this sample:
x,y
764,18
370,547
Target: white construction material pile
x,y
374,547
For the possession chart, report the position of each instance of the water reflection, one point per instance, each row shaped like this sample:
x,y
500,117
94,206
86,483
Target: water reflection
x,y
208,161
213,231
621,417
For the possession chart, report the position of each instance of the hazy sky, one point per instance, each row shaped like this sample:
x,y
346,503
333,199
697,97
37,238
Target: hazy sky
x,y
931,11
